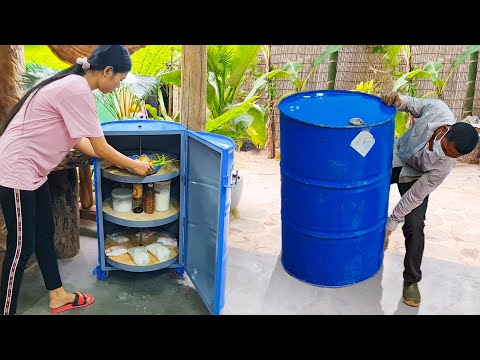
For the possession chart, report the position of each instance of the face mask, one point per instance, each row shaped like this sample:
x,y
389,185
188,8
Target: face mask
x,y
437,147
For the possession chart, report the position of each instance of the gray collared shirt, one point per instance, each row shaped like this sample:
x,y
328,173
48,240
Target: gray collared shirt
x,y
411,152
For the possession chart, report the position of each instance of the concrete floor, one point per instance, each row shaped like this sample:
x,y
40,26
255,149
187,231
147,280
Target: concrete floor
x,y
258,284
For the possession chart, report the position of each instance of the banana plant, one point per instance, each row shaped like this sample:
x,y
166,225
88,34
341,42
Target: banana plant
x,y
293,68
226,67
432,70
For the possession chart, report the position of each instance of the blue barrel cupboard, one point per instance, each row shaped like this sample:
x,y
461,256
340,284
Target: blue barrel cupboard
x,y
198,215
336,157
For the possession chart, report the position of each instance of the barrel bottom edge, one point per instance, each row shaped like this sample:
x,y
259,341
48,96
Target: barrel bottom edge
x,y
330,285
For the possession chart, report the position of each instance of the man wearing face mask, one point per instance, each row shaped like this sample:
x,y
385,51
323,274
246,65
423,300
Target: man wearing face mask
x,y
422,158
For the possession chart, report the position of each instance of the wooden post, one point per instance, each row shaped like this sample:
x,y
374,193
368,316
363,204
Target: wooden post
x,y
12,65
86,186
194,87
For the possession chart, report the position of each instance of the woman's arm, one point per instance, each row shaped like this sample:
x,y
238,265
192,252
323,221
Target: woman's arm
x,y
105,151
84,146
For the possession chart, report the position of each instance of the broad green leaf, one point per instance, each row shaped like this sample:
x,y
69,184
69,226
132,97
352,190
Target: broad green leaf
x,y
469,50
327,50
257,130
293,68
433,68
243,56
229,114
402,80
242,122
152,111
261,80
172,77
42,55
400,123
152,59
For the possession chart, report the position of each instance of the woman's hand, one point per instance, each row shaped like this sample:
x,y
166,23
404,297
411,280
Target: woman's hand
x,y
142,168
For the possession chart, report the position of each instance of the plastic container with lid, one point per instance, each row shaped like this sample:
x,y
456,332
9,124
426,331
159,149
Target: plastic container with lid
x,y
162,195
122,199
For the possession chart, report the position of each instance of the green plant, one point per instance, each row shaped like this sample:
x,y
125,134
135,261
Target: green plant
x,y
431,70
368,87
227,66
161,159
127,101
42,55
293,68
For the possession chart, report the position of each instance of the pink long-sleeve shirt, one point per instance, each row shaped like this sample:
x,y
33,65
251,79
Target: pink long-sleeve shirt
x,y
41,134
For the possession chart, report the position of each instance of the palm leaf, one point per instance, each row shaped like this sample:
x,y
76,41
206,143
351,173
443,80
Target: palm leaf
x,y
140,86
34,74
152,59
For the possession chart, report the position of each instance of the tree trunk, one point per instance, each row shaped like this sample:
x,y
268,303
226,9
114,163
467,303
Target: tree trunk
x,y
12,65
86,186
332,70
64,195
194,87
271,107
472,78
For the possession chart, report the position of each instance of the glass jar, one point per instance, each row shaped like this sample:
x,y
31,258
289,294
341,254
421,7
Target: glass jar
x,y
149,200
122,199
137,198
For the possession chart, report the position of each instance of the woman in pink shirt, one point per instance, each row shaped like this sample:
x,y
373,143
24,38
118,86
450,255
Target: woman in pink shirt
x,y
53,117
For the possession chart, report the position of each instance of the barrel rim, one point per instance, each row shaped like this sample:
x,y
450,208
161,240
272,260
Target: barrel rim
x,y
302,93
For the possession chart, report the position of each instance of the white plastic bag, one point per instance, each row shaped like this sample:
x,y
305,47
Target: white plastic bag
x,y
119,239
139,255
167,240
160,251
116,250
145,233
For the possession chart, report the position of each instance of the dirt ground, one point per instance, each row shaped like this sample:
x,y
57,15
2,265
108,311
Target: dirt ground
x,y
452,231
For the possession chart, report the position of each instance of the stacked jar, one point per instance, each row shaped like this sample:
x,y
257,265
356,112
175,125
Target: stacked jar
x,y
162,195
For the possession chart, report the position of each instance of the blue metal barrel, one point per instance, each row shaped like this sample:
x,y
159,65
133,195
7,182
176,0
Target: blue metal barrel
x,y
336,157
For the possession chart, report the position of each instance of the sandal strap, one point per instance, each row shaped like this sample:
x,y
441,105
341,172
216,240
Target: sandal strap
x,y
76,302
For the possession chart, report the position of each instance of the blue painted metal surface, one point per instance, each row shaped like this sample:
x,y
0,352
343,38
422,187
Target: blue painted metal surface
x,y
134,127
206,162
335,182
208,191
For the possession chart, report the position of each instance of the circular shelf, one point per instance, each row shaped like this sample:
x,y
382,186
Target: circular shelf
x,y
112,172
132,219
125,261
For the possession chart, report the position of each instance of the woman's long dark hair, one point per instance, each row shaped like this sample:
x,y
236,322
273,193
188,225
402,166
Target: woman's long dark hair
x,y
116,56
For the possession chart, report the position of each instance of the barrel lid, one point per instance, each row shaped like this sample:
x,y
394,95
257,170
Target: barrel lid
x,y
140,125
122,193
336,108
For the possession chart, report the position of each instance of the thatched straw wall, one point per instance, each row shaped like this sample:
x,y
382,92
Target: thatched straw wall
x,y
356,64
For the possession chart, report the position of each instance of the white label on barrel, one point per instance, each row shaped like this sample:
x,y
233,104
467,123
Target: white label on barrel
x,y
363,142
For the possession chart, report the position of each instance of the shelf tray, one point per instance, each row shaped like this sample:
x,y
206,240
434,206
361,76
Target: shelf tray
x,y
112,172
132,219
125,261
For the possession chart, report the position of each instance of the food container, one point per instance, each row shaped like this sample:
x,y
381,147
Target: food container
x,y
122,199
162,195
